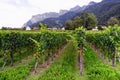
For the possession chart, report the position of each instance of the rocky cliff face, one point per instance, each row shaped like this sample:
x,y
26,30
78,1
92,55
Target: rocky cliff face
x,y
52,18
103,11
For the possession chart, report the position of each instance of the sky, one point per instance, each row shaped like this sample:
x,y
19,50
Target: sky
x,y
14,13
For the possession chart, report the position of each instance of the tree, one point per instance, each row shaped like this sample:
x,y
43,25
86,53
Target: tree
x,y
43,26
100,27
112,21
69,25
91,21
88,20
78,21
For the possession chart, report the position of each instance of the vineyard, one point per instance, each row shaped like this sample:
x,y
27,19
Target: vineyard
x,y
60,55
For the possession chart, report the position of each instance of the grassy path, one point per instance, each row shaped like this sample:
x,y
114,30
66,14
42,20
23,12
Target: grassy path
x,y
17,58
63,68
23,61
100,55
18,72
42,69
97,69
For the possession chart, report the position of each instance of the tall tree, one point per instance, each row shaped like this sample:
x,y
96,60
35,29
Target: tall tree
x,y
69,25
112,21
78,21
88,20
91,21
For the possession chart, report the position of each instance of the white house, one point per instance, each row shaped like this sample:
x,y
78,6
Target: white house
x,y
63,28
28,28
94,29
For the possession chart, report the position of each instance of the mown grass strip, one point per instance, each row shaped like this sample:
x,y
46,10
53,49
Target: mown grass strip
x,y
17,73
63,68
98,70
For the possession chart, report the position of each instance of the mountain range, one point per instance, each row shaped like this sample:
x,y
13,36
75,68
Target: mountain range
x,y
53,19
103,11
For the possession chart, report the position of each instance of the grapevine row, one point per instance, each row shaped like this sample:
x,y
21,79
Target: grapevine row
x,y
106,41
12,42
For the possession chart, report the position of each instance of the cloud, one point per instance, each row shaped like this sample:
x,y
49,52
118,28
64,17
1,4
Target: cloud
x,y
17,3
17,12
14,13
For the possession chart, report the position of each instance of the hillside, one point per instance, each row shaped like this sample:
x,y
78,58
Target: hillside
x,y
103,11
54,19
40,17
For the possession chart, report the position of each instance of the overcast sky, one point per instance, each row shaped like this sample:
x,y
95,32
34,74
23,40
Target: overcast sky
x,y
14,13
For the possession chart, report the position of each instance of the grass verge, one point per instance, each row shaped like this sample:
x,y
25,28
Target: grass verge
x,y
98,70
63,67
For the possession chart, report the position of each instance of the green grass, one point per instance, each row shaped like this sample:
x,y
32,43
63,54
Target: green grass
x,y
63,68
18,72
24,53
78,77
98,70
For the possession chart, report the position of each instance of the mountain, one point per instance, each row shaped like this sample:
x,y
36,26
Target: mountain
x,y
60,21
54,19
92,3
41,17
105,9
75,8
61,12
